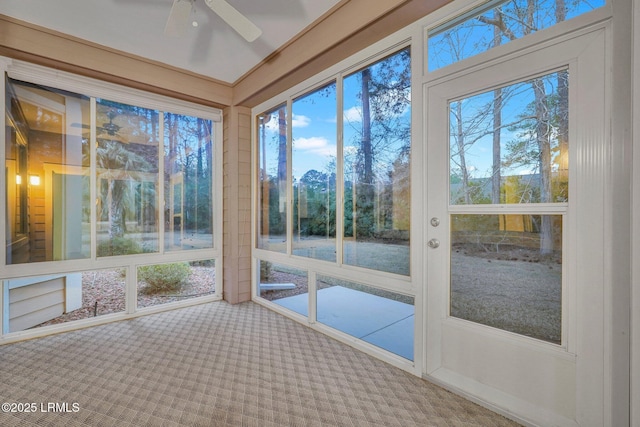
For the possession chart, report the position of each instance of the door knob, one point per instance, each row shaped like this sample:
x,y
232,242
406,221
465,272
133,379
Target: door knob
x,y
433,243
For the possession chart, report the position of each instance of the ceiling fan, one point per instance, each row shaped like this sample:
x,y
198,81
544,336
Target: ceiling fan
x,y
181,10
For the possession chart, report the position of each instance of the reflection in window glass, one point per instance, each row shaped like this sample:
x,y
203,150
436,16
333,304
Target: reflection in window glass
x,y
178,281
60,298
284,285
506,272
489,26
47,174
510,145
127,178
379,317
377,145
188,177
272,180
314,174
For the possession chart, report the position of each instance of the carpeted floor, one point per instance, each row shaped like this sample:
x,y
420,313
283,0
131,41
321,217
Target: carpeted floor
x,y
216,365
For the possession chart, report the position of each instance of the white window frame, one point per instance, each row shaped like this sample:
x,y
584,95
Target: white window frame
x,y
405,285
23,71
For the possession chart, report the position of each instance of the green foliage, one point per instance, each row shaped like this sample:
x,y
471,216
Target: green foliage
x,y
203,263
314,200
265,271
119,246
164,277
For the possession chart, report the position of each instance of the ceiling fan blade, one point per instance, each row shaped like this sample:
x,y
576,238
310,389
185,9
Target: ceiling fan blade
x,y
178,20
235,19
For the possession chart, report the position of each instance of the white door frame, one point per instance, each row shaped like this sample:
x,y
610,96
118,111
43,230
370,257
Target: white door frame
x,y
541,383
635,224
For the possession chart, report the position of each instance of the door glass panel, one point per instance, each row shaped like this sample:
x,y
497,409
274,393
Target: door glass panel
x,y
127,178
510,145
272,180
314,174
506,272
498,22
377,146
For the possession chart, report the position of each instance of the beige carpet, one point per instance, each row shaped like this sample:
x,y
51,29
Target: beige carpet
x,y
216,365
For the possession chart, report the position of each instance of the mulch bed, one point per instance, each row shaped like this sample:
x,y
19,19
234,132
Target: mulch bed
x,y
103,292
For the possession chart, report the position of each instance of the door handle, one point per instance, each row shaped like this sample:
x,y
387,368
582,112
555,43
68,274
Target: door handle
x,y
433,243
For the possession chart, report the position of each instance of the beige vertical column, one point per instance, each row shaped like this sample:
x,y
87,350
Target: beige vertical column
x,y
237,204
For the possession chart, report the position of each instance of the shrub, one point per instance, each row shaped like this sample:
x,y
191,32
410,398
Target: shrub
x,y
119,246
265,271
164,277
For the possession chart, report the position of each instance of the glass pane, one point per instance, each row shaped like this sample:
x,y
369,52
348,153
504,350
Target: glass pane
x,y
285,286
127,179
61,298
178,281
510,145
506,272
47,174
379,317
272,180
377,145
314,174
489,26
188,180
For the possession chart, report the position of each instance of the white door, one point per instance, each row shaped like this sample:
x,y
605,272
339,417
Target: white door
x,y
516,154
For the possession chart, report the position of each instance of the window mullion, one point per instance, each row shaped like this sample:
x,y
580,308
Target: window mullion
x,y
339,169
93,179
289,193
160,184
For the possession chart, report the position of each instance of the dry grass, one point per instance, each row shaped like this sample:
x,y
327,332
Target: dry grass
x,y
519,293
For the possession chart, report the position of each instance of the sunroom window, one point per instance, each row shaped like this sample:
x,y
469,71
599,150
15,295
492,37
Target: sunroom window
x,y
333,203
110,205
48,163
495,23
47,158
373,158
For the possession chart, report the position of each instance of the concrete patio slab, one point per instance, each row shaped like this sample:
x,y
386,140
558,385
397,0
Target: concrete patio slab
x,y
377,320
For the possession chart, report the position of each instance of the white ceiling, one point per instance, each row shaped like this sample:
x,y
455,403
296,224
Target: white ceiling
x,y
137,26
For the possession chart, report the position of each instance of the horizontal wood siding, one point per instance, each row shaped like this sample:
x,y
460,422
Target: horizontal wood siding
x,y
33,304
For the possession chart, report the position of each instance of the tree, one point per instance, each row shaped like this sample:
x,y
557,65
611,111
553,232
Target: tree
x,y
383,134
314,197
118,166
273,172
543,129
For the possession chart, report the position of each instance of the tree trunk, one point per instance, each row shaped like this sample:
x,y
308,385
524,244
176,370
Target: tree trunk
x,y
497,125
543,139
364,217
496,173
116,210
461,155
367,149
